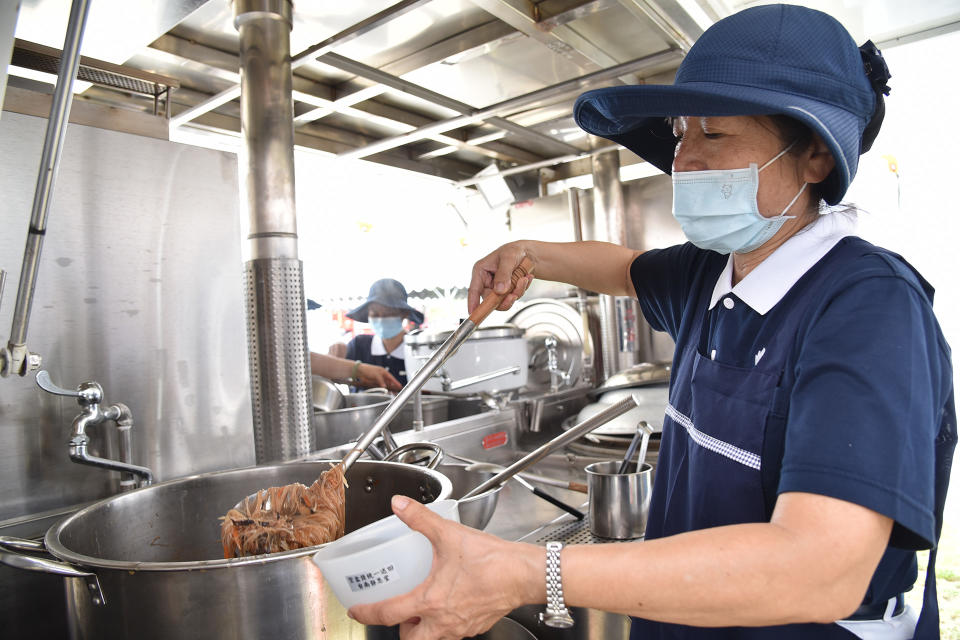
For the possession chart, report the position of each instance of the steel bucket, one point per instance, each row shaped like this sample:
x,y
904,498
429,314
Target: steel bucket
x,y
157,558
619,502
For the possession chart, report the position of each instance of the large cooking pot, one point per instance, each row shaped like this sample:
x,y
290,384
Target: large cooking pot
x,y
492,359
156,555
360,410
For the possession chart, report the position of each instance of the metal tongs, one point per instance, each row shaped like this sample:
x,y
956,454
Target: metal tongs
x,y
642,438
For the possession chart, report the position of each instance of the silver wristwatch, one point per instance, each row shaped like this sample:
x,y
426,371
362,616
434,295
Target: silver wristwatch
x,y
556,615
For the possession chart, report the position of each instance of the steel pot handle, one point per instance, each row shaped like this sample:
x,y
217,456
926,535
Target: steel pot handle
x,y
433,463
22,544
42,565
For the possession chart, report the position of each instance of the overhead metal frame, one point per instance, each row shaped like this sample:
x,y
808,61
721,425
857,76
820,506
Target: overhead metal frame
x,y
485,131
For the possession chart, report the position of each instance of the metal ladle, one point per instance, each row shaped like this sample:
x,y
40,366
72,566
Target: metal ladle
x,y
443,352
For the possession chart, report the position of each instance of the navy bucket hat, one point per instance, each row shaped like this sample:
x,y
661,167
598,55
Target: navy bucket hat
x,y
766,60
389,293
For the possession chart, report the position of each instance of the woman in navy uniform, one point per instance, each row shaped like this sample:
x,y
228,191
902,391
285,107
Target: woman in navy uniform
x,y
810,429
385,309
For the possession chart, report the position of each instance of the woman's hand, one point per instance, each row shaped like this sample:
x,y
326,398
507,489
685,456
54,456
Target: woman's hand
x,y
476,579
493,273
370,375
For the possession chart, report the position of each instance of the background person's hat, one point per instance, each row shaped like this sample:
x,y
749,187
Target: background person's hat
x,y
389,293
772,59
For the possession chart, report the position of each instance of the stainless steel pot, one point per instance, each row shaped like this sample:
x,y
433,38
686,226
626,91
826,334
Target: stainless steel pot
x,y
156,556
360,410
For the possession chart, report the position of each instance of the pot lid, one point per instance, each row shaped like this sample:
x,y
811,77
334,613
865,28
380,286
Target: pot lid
x,y
497,331
638,375
544,318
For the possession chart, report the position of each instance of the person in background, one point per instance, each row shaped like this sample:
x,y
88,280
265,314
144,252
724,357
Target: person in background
x,y
353,372
810,429
385,309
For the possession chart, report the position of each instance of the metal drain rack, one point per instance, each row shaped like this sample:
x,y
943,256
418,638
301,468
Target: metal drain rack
x,y
568,530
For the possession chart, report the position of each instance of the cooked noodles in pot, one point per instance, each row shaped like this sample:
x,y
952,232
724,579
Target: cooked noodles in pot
x,y
289,517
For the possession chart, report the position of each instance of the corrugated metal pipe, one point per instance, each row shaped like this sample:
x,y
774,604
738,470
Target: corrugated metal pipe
x,y
276,310
618,315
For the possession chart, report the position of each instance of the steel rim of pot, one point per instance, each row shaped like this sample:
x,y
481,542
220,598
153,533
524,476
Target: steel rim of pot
x,y
52,537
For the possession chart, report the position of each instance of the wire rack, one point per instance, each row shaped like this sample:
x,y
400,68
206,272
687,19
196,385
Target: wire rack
x,y
571,532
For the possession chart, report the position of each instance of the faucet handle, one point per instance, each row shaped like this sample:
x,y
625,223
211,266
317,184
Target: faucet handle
x,y
86,393
45,383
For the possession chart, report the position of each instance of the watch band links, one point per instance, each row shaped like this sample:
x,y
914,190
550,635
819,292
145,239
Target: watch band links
x,y
556,615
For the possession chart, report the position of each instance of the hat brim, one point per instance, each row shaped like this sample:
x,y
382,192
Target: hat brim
x,y
360,313
635,117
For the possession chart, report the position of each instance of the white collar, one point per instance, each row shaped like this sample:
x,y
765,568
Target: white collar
x,y
377,348
770,280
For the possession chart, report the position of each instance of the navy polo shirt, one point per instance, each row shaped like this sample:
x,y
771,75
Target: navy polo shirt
x,y
867,371
362,348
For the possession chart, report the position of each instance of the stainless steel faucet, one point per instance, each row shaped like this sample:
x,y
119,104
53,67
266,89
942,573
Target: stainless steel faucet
x,y
558,378
89,396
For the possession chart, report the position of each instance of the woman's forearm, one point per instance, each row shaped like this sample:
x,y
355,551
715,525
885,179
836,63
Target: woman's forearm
x,y
738,575
595,266
337,369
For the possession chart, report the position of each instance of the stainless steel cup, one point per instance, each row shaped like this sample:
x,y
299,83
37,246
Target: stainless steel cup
x,y
619,502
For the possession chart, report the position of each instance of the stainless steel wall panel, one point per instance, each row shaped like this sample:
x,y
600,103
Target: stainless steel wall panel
x,y
651,225
140,288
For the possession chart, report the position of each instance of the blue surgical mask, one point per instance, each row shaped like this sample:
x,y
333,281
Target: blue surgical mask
x,y
718,210
388,326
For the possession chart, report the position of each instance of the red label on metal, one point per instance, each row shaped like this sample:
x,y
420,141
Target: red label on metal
x,y
494,440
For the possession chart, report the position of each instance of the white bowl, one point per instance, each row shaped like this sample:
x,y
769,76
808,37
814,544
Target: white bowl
x,y
381,560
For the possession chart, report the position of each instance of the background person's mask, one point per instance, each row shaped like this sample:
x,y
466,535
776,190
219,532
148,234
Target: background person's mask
x,y
718,210
388,326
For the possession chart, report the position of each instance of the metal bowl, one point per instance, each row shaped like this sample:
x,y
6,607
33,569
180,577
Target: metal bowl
x,y
326,396
476,511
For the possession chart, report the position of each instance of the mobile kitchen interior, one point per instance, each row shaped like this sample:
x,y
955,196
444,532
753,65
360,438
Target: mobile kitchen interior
x,y
157,255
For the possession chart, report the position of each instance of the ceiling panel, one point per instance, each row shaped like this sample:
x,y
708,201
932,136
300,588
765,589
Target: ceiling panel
x,y
470,54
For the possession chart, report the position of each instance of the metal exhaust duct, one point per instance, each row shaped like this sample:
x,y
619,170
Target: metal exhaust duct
x,y
276,313
618,315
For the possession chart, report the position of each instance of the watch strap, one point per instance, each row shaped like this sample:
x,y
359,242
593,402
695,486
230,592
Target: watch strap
x,y
556,615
